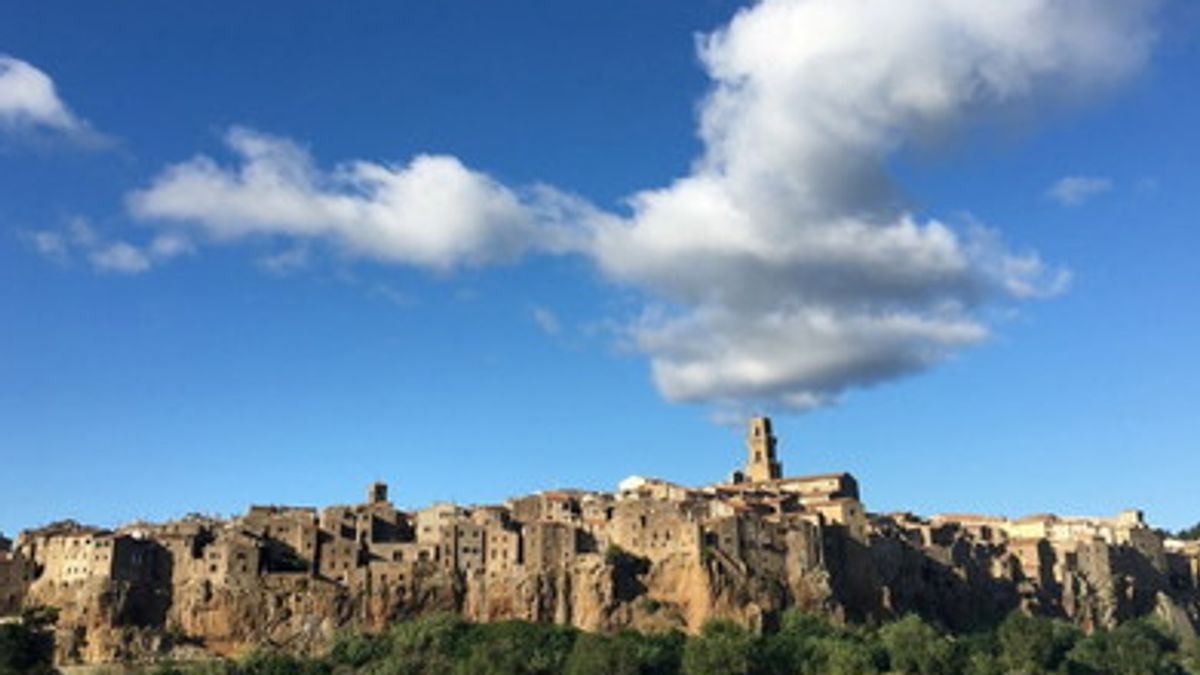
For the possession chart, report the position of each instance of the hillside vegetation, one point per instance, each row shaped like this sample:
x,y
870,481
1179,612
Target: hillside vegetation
x,y
804,645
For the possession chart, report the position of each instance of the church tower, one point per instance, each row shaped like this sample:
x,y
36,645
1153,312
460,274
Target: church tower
x,y
761,464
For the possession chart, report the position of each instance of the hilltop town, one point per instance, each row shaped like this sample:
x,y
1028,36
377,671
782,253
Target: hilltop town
x,y
650,555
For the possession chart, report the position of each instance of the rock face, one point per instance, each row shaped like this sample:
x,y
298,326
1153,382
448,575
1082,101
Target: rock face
x,y
648,558
651,556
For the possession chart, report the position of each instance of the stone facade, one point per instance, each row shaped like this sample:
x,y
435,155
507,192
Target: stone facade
x,y
762,465
746,549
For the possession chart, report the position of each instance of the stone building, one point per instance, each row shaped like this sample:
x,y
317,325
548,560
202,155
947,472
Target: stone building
x,y
234,559
745,548
13,578
289,536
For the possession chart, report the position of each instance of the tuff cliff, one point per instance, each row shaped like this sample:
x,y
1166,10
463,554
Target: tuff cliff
x,y
652,555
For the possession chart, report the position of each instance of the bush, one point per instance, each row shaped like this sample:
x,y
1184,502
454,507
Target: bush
x,y
1035,644
795,645
627,653
845,657
1133,648
658,653
915,647
275,663
357,649
1192,532
517,648
27,646
616,556
805,644
430,645
597,654
722,648
214,667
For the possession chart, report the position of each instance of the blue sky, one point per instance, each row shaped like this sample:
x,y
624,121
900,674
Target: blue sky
x,y
972,287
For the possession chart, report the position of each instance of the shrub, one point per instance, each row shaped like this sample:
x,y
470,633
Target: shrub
x,y
276,663
27,646
626,653
1035,644
598,654
430,645
846,657
722,648
1133,648
355,648
915,647
517,648
615,555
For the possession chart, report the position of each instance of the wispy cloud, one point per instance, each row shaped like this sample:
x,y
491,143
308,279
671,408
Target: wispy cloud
x,y
1075,190
79,240
29,103
391,294
285,262
546,319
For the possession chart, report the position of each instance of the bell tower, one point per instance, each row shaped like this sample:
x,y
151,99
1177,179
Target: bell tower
x,y
377,493
761,464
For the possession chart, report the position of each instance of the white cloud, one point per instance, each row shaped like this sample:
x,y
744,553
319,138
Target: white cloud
x,y
50,244
730,357
80,238
789,270
121,257
1075,190
782,270
286,261
29,102
433,212
547,320
391,294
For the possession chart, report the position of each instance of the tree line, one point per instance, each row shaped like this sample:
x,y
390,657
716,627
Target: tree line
x,y
804,644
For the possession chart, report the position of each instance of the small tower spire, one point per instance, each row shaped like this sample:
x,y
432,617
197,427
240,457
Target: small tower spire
x,y
761,464
377,493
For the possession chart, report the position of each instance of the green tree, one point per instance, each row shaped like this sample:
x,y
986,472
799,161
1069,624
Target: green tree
x,y
517,648
276,663
356,649
213,667
979,653
1192,532
722,648
626,653
1134,648
918,648
599,654
658,653
27,646
795,644
430,645
1032,644
848,657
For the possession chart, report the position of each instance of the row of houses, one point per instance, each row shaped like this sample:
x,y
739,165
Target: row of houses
x,y
374,546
